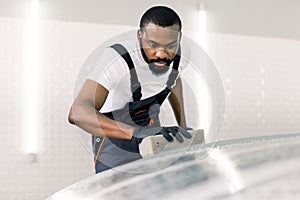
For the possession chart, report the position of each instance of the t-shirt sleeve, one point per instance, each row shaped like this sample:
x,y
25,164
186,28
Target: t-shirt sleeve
x,y
104,72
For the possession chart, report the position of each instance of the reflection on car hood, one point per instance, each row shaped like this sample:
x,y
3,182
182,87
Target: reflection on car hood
x,y
266,167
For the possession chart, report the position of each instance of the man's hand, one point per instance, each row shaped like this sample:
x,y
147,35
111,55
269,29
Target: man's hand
x,y
141,132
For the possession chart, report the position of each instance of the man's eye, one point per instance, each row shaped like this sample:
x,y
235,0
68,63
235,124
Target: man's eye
x,y
171,46
153,45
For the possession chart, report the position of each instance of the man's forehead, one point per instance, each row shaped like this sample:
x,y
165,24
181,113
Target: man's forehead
x,y
151,25
156,32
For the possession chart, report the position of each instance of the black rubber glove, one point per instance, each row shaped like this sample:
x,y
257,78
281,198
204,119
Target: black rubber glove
x,y
141,132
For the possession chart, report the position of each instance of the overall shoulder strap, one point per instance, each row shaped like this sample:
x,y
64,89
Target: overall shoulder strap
x,y
135,84
174,73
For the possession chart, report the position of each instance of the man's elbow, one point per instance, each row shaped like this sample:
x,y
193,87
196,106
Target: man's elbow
x,y
71,117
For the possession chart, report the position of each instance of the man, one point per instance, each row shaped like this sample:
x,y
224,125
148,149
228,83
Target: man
x,y
120,101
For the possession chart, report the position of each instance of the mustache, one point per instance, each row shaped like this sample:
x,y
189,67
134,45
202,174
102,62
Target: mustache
x,y
160,60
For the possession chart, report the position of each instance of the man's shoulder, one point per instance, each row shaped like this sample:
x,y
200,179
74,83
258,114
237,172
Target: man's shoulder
x,y
132,47
109,56
128,44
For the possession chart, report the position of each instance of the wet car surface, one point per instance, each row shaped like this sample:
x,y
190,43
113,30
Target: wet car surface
x,y
266,167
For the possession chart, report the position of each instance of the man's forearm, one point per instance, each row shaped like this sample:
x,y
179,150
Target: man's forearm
x,y
90,120
176,101
178,109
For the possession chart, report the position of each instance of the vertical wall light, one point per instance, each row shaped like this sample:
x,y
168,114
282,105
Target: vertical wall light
x,y
204,102
202,26
30,82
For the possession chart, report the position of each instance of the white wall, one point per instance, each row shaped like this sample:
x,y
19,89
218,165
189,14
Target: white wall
x,y
261,82
259,71
61,157
268,18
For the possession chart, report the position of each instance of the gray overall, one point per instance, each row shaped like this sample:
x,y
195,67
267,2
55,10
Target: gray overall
x,y
111,152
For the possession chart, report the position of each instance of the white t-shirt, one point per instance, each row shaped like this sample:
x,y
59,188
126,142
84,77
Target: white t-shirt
x,y
112,72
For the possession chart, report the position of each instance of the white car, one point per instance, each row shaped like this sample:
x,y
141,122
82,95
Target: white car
x,y
266,167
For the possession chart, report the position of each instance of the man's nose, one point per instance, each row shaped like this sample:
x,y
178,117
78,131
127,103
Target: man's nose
x,y
160,53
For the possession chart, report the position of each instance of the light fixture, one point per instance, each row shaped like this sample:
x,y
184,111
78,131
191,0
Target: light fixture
x,y
202,26
202,40
30,83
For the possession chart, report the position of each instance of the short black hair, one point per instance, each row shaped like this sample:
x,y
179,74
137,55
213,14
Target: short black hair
x,y
161,16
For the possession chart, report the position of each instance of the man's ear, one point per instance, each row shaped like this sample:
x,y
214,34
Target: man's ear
x,y
180,34
139,35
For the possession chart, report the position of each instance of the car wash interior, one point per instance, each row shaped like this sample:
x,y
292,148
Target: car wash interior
x,y
241,96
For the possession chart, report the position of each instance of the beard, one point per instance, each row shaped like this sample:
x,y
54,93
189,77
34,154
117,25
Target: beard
x,y
157,70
